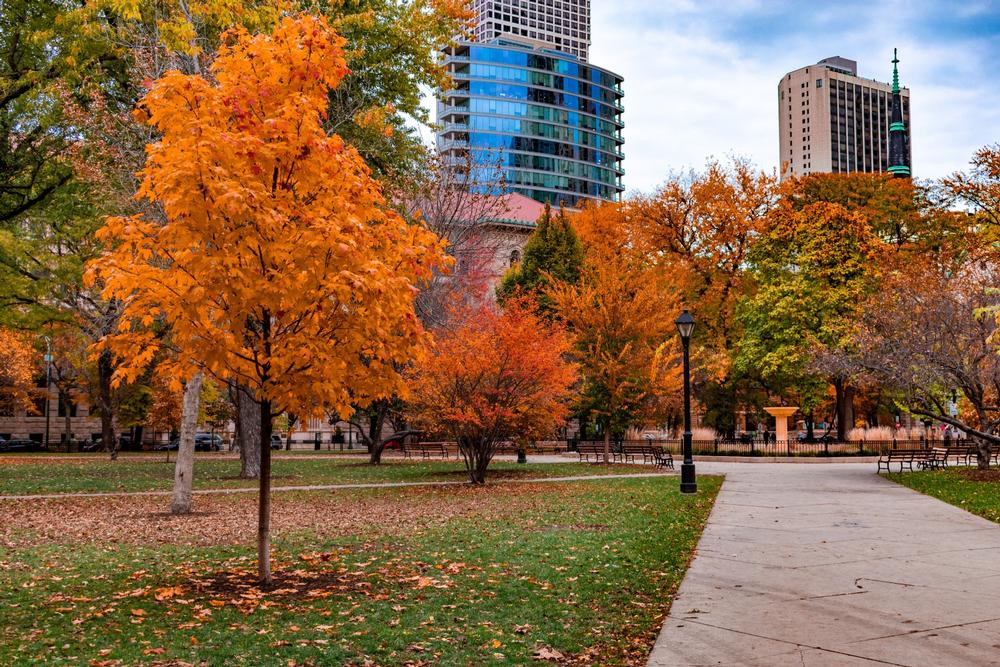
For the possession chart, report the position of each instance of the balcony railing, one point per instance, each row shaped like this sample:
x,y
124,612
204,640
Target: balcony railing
x,y
453,144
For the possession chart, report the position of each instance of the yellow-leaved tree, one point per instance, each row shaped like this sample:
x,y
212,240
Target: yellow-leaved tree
x,y
278,265
620,317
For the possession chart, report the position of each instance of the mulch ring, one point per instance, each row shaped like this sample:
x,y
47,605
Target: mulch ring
x,y
976,475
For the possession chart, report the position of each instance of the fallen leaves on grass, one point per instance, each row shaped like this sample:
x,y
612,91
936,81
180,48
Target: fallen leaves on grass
x,y
231,519
548,654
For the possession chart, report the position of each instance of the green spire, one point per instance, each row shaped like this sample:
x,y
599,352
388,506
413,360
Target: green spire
x,y
895,72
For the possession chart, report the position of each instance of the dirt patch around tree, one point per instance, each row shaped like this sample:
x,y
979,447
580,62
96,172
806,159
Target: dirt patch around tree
x,y
976,475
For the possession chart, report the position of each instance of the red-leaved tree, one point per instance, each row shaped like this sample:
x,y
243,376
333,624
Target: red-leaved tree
x,y
493,377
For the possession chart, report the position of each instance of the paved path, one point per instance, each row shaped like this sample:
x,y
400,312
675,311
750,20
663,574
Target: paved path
x,y
335,487
832,565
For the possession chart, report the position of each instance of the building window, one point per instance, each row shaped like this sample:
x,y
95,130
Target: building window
x,y
515,257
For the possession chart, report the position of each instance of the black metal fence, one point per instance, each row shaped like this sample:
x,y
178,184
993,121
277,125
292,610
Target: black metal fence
x,y
744,447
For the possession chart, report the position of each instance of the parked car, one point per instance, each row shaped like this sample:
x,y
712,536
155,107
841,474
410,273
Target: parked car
x,y
817,437
20,445
203,442
91,445
277,442
168,447
207,442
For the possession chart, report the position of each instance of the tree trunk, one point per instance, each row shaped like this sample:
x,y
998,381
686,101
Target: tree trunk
x,y
477,458
810,432
184,468
375,424
104,372
264,497
845,408
292,419
67,422
607,445
849,392
982,453
251,444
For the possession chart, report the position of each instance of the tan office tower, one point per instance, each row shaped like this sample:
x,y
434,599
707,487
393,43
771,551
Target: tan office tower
x,y
832,120
560,24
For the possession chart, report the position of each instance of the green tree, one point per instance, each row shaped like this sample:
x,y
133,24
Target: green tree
x,y
553,253
814,266
44,57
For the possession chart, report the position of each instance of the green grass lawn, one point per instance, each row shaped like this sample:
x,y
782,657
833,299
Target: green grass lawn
x,y
406,576
963,487
97,474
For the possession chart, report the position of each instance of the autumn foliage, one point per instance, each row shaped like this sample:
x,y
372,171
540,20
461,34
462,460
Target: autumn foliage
x,y
18,365
495,376
620,318
278,264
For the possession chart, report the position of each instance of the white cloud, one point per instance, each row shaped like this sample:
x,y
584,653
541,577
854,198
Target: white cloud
x,y
701,76
700,84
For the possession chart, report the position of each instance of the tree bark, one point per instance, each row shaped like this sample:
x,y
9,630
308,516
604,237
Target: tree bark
x,y
104,371
607,444
184,468
264,497
376,422
845,408
477,456
849,392
251,443
292,419
982,453
68,420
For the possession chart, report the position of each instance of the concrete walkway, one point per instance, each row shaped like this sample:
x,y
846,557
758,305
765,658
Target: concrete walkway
x,y
832,565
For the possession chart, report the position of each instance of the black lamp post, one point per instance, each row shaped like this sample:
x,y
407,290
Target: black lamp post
x,y
685,325
48,390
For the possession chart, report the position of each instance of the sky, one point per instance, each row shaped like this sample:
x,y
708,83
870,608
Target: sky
x,y
701,76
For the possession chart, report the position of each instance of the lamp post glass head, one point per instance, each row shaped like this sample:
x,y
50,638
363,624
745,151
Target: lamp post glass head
x,y
685,324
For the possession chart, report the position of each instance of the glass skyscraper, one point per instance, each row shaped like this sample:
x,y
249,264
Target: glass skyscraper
x,y
551,121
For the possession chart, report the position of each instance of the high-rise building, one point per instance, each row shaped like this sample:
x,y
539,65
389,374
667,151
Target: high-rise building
x,y
560,24
831,120
532,104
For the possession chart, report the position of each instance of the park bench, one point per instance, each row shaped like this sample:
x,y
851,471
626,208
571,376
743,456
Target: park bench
x,y
587,450
969,454
630,450
662,458
547,447
937,457
902,457
425,449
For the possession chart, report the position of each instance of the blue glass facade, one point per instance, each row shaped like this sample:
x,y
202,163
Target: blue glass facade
x,y
551,121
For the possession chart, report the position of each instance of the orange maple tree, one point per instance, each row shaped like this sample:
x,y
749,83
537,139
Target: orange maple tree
x,y
277,264
492,377
701,227
18,366
622,329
